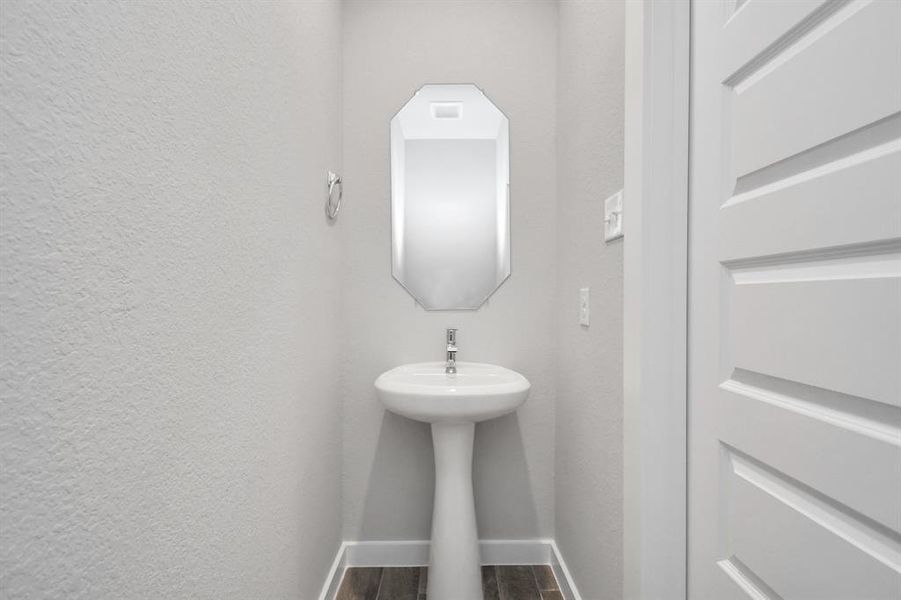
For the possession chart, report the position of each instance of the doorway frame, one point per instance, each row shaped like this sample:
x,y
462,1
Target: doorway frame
x,y
655,299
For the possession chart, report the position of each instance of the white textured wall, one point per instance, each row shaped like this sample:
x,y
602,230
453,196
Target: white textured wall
x,y
170,296
589,413
391,48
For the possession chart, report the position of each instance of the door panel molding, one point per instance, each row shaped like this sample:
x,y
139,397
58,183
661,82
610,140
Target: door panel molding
x,y
795,300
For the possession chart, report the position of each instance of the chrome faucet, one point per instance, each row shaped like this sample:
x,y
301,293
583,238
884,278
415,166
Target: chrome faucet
x,y
450,366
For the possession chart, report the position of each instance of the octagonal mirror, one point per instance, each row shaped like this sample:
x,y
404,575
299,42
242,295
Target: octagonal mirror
x,y
450,212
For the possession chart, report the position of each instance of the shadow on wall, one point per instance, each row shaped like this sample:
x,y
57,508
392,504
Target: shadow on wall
x,y
505,505
404,452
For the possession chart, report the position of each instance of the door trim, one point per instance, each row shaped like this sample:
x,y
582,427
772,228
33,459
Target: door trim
x,y
655,290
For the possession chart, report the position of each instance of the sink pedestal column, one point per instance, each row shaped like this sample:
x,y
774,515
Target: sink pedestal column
x,y
454,567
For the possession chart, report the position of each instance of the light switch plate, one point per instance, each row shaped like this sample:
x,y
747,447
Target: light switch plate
x,y
585,307
613,216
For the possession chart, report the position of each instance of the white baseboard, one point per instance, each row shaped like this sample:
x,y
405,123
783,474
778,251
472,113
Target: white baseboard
x,y
335,574
415,553
406,553
561,572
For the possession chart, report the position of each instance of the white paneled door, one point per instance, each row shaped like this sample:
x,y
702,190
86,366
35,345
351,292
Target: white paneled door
x,y
795,300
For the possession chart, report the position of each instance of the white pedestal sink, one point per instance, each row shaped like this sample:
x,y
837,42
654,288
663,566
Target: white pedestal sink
x,y
453,404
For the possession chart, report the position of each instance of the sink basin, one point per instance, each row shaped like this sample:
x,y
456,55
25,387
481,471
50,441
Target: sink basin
x,y
478,391
453,404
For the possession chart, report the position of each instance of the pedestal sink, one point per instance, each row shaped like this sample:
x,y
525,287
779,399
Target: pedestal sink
x,y
453,404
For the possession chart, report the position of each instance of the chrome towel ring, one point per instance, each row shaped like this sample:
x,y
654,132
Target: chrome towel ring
x,y
333,204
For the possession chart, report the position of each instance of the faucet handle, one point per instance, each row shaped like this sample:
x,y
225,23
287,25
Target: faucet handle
x,y
452,337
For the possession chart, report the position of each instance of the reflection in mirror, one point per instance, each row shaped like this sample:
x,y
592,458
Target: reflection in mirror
x,y
450,173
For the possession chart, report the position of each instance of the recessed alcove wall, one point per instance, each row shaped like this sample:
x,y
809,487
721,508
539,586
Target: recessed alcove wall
x,y
554,469
390,50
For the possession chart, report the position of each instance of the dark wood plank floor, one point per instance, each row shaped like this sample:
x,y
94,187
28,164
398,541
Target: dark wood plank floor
x,y
535,582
